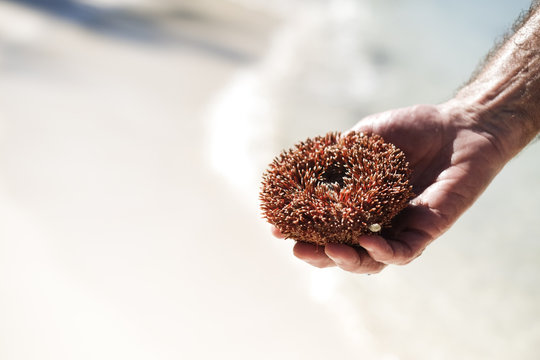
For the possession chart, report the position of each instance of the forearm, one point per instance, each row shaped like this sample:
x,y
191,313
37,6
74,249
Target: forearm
x,y
504,98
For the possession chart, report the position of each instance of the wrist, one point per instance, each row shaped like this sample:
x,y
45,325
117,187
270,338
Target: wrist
x,y
508,119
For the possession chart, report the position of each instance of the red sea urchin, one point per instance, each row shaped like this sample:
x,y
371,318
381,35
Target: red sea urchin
x,y
333,188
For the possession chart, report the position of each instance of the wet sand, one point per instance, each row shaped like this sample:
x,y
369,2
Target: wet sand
x,y
118,241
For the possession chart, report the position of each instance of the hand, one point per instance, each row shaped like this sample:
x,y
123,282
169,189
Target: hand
x,y
452,158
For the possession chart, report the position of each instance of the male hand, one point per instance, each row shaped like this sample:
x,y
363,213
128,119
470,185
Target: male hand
x,y
452,158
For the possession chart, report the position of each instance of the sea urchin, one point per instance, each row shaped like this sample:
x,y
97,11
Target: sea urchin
x,y
333,188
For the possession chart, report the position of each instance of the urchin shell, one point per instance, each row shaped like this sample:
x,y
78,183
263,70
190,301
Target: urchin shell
x,y
333,188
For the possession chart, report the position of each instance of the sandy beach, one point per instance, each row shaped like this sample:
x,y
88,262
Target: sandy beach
x,y
133,135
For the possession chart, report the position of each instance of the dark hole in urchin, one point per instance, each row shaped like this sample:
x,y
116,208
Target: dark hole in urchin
x,y
334,174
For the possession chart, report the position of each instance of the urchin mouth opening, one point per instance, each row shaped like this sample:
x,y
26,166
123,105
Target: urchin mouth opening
x,y
334,174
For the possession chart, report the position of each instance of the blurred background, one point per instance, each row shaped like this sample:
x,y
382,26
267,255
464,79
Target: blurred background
x,y
133,134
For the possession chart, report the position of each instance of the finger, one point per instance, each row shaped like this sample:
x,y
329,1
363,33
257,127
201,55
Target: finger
x,y
387,252
352,259
277,233
369,123
312,254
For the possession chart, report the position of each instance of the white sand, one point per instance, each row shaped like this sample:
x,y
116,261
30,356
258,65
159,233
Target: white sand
x,y
131,147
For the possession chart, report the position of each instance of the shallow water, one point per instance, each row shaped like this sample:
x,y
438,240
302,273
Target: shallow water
x,y
133,137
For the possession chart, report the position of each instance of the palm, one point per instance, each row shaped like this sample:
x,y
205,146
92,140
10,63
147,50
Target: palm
x,y
451,162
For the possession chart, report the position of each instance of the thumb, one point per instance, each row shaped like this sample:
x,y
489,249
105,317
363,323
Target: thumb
x,y
369,123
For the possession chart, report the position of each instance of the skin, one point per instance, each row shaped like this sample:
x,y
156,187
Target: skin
x,y
455,149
